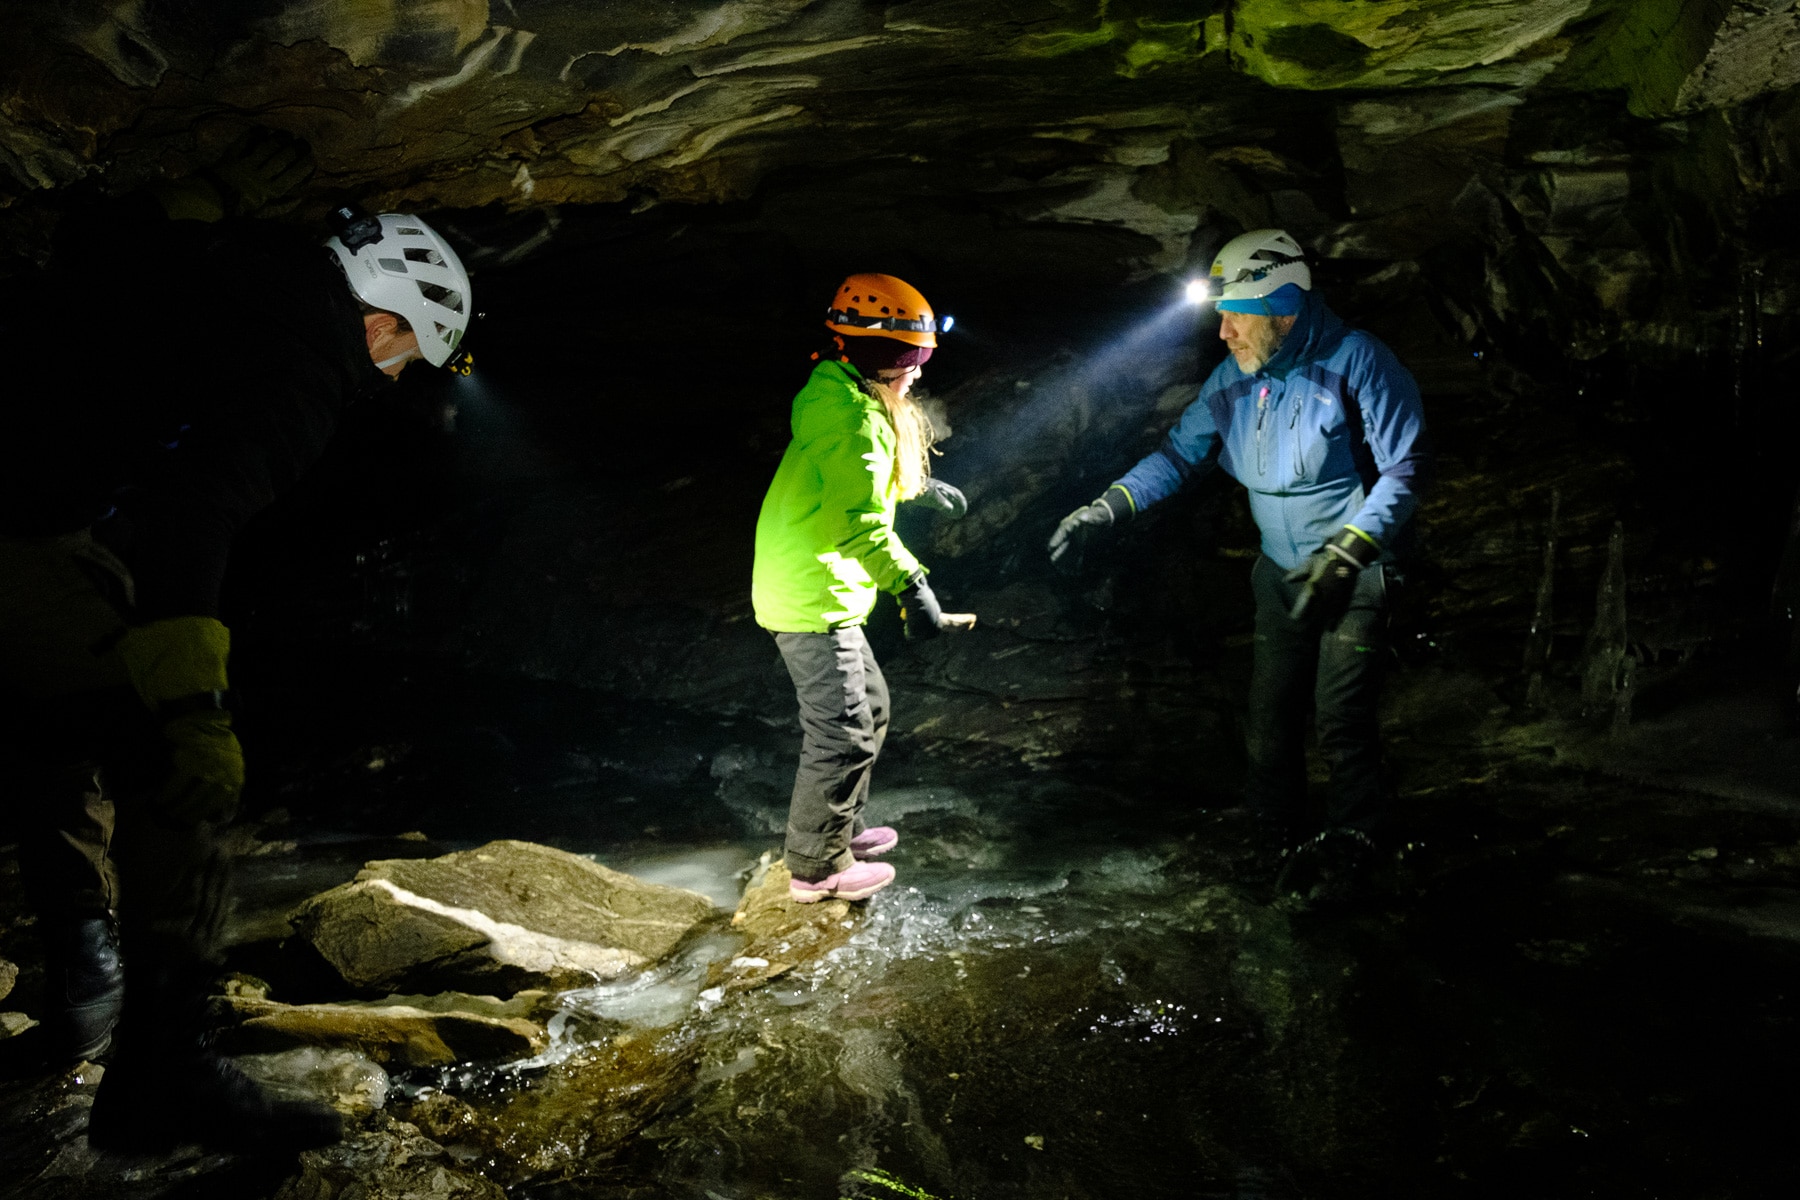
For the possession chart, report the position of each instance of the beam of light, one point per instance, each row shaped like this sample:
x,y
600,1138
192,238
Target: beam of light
x,y
1055,406
497,443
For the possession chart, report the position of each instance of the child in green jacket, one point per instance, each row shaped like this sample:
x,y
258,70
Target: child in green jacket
x,y
825,547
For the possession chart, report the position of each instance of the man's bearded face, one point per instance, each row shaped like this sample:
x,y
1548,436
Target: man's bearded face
x,y
1253,338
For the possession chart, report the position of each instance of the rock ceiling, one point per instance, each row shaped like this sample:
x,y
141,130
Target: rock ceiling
x,y
1371,128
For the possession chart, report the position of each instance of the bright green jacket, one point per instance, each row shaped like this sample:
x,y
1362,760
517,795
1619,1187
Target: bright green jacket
x,y
825,543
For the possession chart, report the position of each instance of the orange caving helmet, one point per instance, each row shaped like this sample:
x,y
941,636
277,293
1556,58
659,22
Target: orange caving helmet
x,y
882,306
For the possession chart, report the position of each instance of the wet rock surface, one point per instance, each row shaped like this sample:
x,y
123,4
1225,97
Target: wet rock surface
x,y
1071,988
349,1081
11,1023
390,1032
508,915
392,1161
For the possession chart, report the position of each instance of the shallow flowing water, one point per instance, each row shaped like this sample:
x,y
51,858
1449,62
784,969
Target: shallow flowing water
x,y
1066,994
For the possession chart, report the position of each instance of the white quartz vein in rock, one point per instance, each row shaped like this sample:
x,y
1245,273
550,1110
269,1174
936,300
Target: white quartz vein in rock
x,y
517,946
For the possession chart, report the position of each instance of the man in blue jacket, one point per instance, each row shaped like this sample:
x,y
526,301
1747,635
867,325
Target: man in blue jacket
x,y
1324,427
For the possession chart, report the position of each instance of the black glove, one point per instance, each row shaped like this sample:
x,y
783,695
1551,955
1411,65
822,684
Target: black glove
x,y
1328,575
944,497
1086,525
919,609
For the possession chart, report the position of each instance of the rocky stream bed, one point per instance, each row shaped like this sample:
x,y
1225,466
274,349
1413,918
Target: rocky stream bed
x,y
1577,980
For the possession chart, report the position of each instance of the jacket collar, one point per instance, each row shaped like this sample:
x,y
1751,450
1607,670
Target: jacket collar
x,y
1315,328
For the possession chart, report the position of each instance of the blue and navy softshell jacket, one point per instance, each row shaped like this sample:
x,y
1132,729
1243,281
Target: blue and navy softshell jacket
x,y
1290,433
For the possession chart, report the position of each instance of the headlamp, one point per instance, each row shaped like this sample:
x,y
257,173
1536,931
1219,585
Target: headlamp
x,y
840,316
354,227
1198,291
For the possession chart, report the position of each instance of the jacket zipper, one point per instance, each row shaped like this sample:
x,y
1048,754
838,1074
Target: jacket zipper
x,y
1262,411
1299,459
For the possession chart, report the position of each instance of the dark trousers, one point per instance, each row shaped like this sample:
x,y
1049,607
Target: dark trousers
x,y
843,721
82,762
1331,664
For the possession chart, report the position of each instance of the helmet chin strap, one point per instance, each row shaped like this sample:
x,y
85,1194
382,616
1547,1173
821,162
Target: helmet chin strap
x,y
395,361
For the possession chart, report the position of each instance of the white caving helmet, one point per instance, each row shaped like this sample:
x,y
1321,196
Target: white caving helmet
x,y
398,263
1258,264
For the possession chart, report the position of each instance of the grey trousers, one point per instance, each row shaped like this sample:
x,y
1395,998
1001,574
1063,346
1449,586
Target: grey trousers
x,y
843,721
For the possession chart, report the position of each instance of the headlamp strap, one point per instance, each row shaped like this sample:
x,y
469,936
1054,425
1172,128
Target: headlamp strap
x,y
839,317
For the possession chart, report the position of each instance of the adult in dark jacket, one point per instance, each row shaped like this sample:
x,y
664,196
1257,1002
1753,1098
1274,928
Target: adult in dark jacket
x,y
187,375
1324,426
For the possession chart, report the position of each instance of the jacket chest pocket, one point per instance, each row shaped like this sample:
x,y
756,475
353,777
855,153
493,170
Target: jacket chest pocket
x,y
1320,439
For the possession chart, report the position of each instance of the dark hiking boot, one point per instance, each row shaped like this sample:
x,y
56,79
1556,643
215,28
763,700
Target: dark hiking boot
x,y
1335,869
145,1106
84,986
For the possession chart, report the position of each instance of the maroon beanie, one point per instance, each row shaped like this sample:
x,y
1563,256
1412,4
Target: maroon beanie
x,y
872,355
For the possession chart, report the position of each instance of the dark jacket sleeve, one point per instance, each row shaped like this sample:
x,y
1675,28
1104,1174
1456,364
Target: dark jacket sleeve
x,y
265,419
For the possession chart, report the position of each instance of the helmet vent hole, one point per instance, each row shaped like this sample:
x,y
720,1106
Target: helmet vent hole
x,y
442,295
424,254
884,308
413,232
393,266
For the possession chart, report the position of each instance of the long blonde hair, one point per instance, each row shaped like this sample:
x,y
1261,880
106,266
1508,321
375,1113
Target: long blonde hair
x,y
913,438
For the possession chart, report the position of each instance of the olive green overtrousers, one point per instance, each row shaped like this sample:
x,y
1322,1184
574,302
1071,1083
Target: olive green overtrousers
x,y
84,761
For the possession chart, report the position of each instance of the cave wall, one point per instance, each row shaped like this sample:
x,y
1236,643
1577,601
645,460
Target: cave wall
x,y
1568,176
1573,218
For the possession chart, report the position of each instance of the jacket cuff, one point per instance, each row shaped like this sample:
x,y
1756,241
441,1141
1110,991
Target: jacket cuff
x,y
1119,502
1354,547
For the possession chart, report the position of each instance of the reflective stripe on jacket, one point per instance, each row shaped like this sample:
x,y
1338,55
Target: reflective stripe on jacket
x,y
1289,432
825,542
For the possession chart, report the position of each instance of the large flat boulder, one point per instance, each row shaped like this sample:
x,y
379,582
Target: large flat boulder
x,y
498,919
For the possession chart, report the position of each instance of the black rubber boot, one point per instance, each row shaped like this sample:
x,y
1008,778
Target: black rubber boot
x,y
165,1089
202,1099
84,987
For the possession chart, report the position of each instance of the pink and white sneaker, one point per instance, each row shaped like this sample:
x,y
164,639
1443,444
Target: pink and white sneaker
x,y
872,843
856,883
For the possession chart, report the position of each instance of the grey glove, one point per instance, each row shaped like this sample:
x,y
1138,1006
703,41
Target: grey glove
x,y
944,497
1087,525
